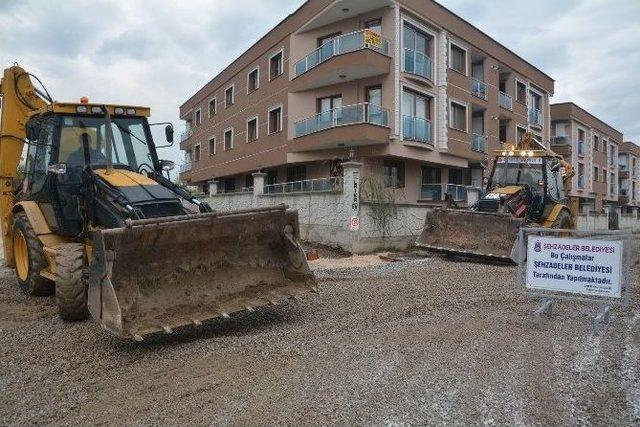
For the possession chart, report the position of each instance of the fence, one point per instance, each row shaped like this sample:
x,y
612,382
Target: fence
x,y
333,184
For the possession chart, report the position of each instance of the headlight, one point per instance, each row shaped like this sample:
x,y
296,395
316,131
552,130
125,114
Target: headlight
x,y
96,110
118,110
81,109
131,111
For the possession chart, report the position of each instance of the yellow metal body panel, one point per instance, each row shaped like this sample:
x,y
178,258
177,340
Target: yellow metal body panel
x,y
510,189
12,135
71,108
36,218
548,223
124,178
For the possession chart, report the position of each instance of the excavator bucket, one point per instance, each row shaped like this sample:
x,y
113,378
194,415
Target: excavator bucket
x,y
470,233
158,274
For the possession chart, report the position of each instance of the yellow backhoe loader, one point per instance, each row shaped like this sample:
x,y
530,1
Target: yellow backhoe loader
x,y
93,218
526,188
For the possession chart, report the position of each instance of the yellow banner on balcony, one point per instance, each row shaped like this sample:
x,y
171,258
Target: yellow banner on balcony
x,y
373,39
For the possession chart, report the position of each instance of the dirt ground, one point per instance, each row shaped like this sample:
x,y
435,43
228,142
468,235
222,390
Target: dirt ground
x,y
424,341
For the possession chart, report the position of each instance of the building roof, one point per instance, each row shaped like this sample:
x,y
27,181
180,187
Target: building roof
x,y
630,147
571,110
276,33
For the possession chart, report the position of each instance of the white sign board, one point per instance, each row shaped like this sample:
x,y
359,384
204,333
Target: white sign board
x,y
579,266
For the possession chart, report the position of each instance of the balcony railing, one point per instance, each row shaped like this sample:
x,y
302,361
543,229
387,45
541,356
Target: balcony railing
x,y
478,88
418,63
580,181
457,192
321,185
363,39
581,147
185,167
431,192
559,140
186,134
505,101
535,116
416,129
479,142
346,115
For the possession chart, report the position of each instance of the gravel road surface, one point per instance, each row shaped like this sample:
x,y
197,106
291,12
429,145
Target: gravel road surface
x,y
420,342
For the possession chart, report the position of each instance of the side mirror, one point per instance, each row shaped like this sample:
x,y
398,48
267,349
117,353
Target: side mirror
x,y
167,165
58,168
168,131
32,130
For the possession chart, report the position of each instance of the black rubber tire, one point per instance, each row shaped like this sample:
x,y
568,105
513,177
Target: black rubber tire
x,y
71,286
563,220
35,284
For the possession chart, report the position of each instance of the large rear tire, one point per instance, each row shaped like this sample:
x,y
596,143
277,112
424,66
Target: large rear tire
x,y
29,258
71,286
563,221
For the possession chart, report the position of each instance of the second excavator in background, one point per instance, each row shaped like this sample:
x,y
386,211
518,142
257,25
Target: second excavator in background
x,y
527,187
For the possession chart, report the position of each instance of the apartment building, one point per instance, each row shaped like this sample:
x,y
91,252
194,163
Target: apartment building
x,y
418,95
592,147
629,177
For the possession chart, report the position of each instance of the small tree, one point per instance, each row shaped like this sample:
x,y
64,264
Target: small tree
x,y
383,202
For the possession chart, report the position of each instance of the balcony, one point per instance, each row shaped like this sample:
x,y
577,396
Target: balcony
x,y
353,56
357,124
417,63
347,115
535,117
185,135
416,129
479,88
560,140
479,142
185,167
506,101
435,192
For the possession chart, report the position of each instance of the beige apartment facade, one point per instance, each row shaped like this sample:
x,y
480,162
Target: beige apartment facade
x,y
592,147
629,177
409,89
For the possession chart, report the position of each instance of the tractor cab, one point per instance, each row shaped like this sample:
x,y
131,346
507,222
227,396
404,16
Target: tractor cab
x,y
68,158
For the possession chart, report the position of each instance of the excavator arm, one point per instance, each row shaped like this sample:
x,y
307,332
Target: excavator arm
x,y
20,99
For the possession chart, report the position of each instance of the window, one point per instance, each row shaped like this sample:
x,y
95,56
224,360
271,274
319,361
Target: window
x,y
596,142
325,39
275,120
272,176
612,184
228,139
296,173
604,146
520,131
248,181
580,175
328,103
458,60
502,132
212,146
458,116
374,25
252,129
596,173
196,153
275,66
228,96
229,185
393,174
253,80
212,107
604,176
580,142
521,92
198,117
416,109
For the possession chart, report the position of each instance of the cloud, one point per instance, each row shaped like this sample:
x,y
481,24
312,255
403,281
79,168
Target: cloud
x,y
159,53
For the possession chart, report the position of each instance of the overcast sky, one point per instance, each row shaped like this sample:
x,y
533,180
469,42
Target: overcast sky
x,y
158,53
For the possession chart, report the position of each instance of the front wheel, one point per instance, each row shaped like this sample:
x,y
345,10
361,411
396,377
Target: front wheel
x,y
71,286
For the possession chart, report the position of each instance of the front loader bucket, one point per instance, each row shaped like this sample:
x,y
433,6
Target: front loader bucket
x,y
157,274
470,233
